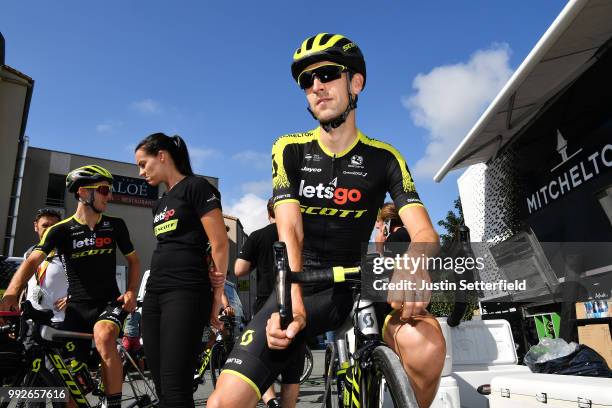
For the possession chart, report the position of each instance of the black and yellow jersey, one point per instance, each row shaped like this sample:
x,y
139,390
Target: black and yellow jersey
x,y
88,255
339,194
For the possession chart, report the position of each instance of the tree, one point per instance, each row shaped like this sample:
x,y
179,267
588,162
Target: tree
x,y
451,223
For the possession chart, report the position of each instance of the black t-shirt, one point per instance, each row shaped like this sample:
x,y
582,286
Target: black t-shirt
x,y
339,194
258,251
89,255
397,242
179,258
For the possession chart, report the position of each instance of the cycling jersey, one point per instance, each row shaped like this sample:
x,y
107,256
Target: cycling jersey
x,y
339,193
88,255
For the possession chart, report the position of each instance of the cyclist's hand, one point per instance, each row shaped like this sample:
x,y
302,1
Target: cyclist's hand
x,y
60,304
129,301
217,278
279,339
414,300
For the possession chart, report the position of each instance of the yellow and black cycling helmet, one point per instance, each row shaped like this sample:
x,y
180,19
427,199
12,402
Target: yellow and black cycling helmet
x,y
87,175
328,47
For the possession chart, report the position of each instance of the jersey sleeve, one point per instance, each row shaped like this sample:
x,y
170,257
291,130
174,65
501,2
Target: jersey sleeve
x,y
248,251
122,237
50,239
285,174
400,183
203,196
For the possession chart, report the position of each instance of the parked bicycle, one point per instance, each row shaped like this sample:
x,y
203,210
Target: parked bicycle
x,y
32,348
215,352
369,374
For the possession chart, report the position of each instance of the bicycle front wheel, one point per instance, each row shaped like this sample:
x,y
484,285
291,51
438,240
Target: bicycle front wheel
x,y
218,355
387,382
308,364
43,378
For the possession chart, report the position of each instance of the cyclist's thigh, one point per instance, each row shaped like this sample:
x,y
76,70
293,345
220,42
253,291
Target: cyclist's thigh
x,y
80,317
292,373
252,360
327,309
113,313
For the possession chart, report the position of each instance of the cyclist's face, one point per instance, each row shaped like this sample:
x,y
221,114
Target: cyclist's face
x,y
328,100
102,198
149,166
44,222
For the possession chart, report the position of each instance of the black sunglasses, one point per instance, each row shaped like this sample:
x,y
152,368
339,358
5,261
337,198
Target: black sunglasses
x,y
325,73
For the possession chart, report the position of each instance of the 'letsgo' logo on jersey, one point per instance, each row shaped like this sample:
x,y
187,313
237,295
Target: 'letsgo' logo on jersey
x,y
88,242
164,215
165,227
340,195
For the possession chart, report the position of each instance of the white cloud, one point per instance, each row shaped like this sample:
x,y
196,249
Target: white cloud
x,y
449,99
104,128
260,161
108,126
147,106
251,210
200,155
259,188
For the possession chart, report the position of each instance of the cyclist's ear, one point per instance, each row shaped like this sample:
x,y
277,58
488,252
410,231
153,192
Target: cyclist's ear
x,y
356,83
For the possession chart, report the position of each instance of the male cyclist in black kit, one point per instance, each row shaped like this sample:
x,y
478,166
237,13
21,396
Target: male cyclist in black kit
x,y
86,243
328,186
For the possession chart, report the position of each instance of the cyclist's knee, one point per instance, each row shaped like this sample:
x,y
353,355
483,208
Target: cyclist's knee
x,y
232,391
105,335
423,334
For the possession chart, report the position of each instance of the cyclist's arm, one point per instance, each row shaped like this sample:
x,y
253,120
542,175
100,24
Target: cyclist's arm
x,y
23,274
419,227
291,232
242,267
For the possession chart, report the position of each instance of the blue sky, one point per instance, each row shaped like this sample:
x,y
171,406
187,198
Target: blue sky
x,y
217,73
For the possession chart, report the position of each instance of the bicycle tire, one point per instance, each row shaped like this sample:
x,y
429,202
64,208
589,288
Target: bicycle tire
x,y
332,398
142,388
41,379
308,365
218,355
386,374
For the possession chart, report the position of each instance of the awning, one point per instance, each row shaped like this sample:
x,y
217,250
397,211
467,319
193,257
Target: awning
x,y
568,48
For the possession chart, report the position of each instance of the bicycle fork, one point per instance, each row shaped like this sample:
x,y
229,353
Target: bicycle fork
x,y
349,375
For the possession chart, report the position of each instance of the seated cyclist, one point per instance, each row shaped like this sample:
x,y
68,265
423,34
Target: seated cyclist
x,y
86,243
328,186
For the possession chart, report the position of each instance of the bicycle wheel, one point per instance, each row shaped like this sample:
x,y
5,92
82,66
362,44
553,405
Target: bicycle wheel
x,y
141,390
41,379
218,356
337,383
386,382
308,364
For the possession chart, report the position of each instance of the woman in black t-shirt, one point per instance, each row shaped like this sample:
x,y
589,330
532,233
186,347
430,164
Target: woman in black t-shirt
x,y
179,299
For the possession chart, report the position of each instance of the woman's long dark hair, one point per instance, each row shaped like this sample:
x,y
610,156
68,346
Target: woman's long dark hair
x,y
174,145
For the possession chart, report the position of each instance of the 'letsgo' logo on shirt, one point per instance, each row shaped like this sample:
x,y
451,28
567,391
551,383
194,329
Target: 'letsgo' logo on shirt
x,y
165,227
164,215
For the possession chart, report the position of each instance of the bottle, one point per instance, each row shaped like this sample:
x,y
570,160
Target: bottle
x,y
81,375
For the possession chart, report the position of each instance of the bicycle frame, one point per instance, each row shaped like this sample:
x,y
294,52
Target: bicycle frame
x,y
363,325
